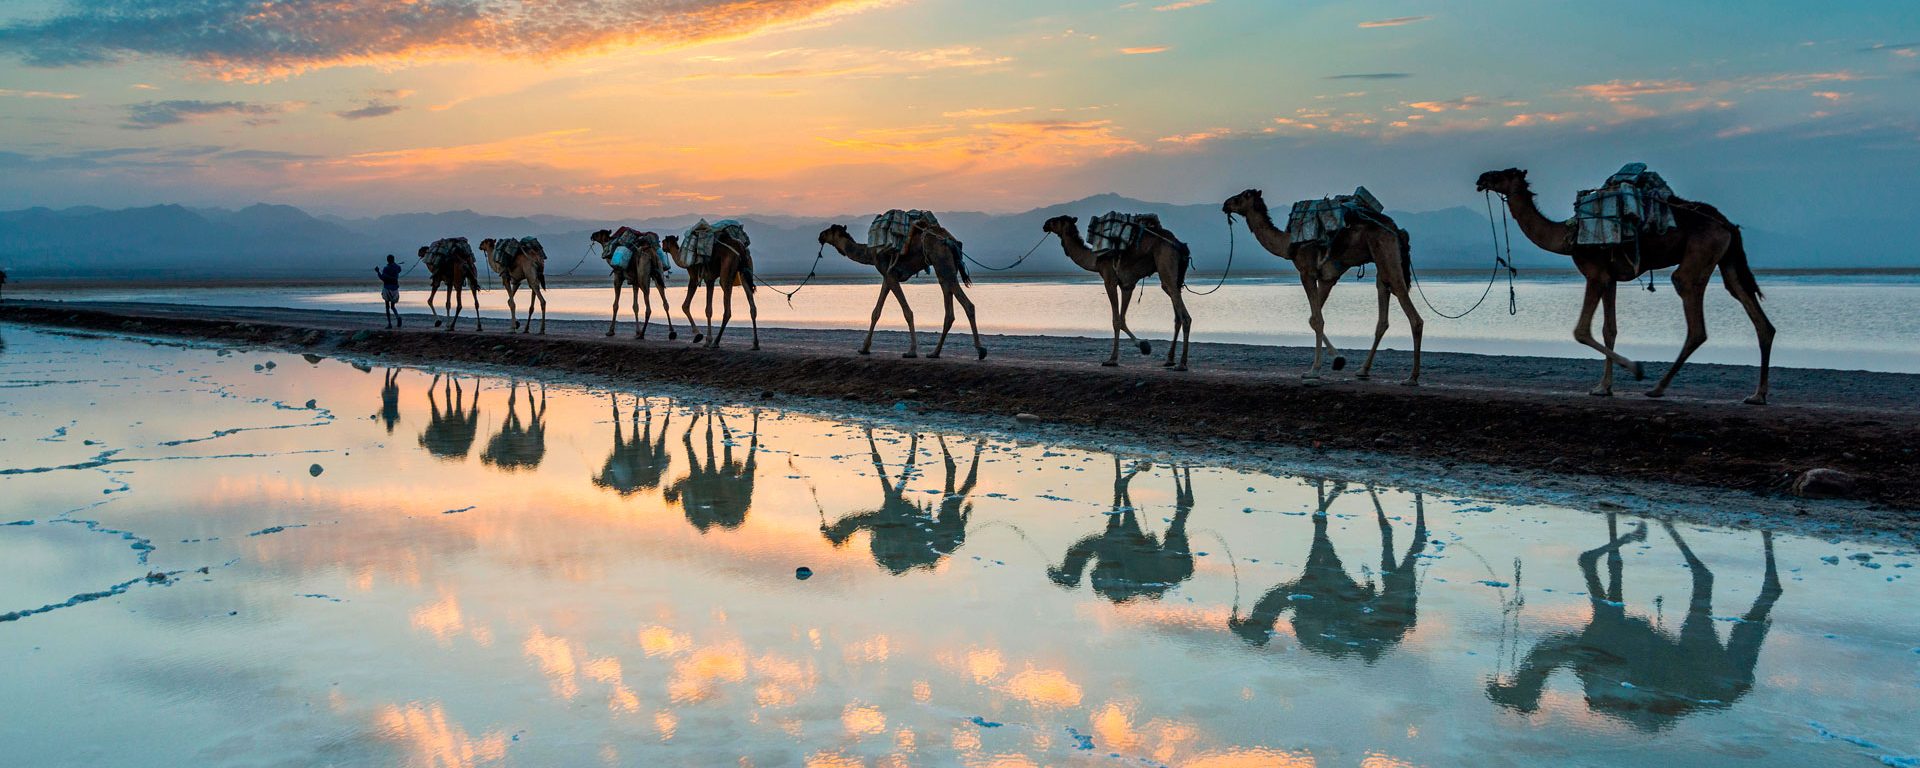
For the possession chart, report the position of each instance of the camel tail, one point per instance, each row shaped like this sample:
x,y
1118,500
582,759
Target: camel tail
x,y
1735,263
1406,252
960,259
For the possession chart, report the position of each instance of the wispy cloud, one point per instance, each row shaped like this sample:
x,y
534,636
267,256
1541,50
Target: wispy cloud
x,y
250,39
1371,76
371,109
155,114
1628,90
1146,49
1181,5
1460,104
979,112
1397,21
38,94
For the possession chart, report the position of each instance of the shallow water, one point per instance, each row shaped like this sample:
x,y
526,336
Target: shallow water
x,y
1848,322
464,570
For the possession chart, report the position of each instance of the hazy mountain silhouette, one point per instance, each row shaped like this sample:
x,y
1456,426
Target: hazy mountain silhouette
x,y
281,242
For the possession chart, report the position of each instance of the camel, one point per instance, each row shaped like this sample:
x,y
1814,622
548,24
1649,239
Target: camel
x,y
519,446
1128,563
527,263
455,270
1374,240
449,435
636,463
716,495
1633,670
1339,616
730,264
906,534
1703,241
1157,252
642,271
390,399
928,245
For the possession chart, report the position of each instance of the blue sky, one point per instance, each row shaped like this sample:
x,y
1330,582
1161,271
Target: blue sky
x,y
1781,112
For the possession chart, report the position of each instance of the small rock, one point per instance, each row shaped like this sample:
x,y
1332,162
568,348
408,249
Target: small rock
x,y
272,365
803,573
1823,483
315,470
1026,418
311,404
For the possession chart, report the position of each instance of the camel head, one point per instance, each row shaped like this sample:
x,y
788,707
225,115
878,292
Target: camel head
x,y
1061,225
423,252
835,234
1511,181
601,236
1250,200
486,247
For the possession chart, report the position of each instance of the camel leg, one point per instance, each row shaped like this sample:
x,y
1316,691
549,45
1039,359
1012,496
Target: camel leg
x,y
665,305
648,318
946,324
913,335
615,320
726,313
1113,306
1379,331
640,326
879,306
1414,323
1315,324
1326,291
474,285
1762,327
540,295
1182,321
709,333
686,308
966,305
1126,302
1609,330
435,313
1583,328
1693,297
513,309
753,319
453,315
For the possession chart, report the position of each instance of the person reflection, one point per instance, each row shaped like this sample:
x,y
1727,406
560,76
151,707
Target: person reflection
x,y
1333,615
1129,563
906,534
1633,671
716,495
390,399
449,435
637,463
518,445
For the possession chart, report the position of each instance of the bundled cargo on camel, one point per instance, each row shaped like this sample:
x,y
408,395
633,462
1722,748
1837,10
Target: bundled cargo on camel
x,y
446,248
1316,222
506,249
1633,203
891,229
627,242
1116,231
699,243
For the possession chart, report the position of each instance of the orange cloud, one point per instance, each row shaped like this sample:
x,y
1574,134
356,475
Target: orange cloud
x,y
1622,90
1397,21
1146,50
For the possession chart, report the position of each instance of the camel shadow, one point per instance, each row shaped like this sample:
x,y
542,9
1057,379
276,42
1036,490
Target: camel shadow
x,y
906,534
1334,615
1128,563
450,433
638,460
519,445
1633,671
716,494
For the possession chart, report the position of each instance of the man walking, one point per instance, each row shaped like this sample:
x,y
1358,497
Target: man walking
x,y
390,290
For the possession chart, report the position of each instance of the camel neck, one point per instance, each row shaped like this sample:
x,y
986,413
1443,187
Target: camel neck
x,y
1551,236
1271,237
1078,251
856,252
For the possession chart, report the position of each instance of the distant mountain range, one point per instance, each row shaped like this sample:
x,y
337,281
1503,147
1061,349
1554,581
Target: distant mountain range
x,y
281,242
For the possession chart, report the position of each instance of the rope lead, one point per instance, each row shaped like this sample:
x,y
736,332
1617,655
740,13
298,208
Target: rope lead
x,y
1499,262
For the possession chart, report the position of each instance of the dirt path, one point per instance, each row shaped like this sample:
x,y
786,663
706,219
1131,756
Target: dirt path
x,y
1519,412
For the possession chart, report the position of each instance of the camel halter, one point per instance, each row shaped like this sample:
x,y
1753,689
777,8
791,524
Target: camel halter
x,y
817,256
1499,262
1223,273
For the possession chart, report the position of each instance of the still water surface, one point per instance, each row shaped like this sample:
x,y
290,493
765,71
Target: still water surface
x,y
1847,322
460,570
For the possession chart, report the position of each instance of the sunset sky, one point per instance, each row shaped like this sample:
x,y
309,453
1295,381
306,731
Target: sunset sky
x,y
1794,111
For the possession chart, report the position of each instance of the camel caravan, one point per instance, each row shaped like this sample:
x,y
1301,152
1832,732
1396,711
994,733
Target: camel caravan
x,y
1629,227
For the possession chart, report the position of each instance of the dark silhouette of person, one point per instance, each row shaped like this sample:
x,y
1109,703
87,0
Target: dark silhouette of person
x,y
449,435
716,495
1630,669
906,534
637,463
1334,615
1128,563
518,446
390,399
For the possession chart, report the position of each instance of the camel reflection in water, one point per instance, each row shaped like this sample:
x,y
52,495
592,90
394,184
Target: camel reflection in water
x,y
1333,614
390,399
906,534
1128,563
519,445
1629,668
637,462
449,434
716,493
